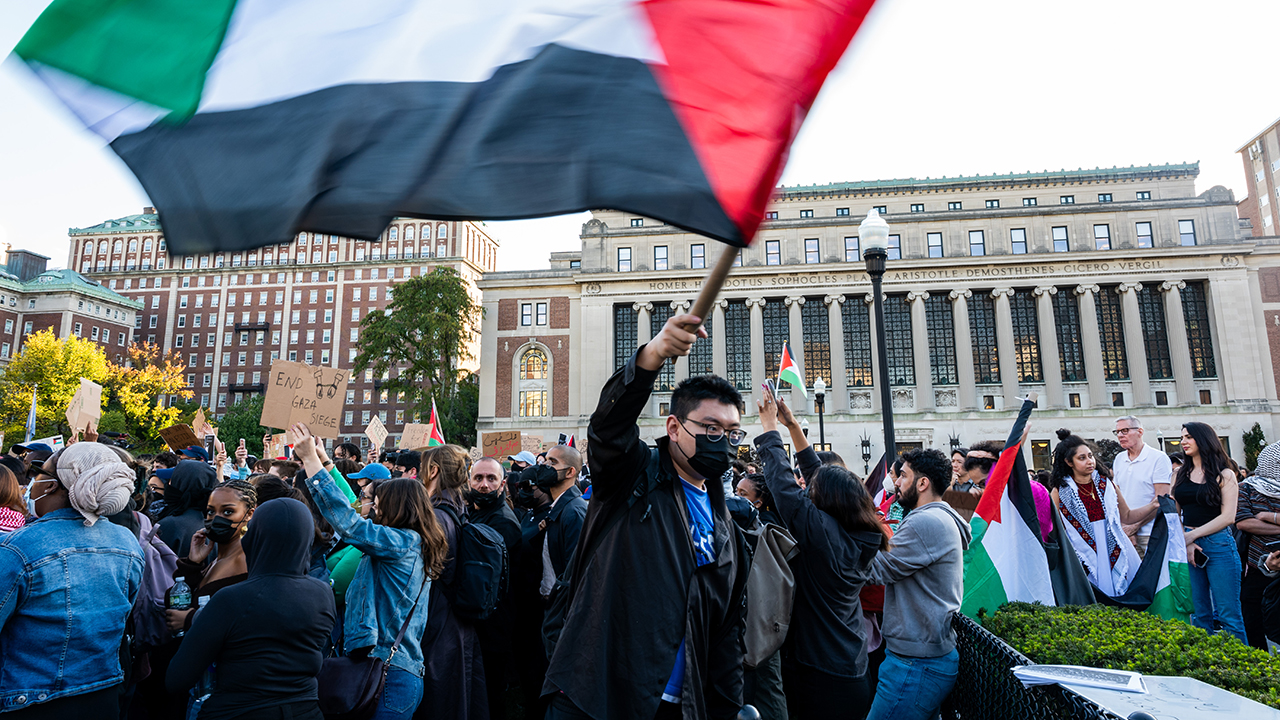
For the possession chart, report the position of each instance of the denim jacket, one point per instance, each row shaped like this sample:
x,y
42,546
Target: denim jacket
x,y
66,591
386,581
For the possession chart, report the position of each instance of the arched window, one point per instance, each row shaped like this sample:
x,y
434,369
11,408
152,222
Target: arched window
x,y
133,245
533,365
408,232
302,238
532,399
146,245
117,246
395,233
102,246
443,231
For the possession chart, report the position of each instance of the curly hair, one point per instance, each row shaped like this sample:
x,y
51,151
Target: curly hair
x,y
245,489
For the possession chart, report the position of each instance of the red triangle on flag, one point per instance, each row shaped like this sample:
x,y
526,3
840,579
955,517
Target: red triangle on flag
x,y
741,76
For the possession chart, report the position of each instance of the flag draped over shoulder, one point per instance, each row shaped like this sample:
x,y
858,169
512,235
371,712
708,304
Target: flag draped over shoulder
x,y
247,121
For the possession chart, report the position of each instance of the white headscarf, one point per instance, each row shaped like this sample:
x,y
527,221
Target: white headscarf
x,y
96,481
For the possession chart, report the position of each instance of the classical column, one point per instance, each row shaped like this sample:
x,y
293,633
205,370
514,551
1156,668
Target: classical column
x,y
1179,349
1006,351
642,322
920,351
795,323
757,343
1050,361
1135,347
1091,346
839,374
964,349
719,356
874,387
679,307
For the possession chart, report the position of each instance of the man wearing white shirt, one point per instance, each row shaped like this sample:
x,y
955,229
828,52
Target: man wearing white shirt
x,y
1141,472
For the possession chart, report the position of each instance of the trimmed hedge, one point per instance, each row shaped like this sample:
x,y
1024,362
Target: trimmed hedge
x,y
1118,639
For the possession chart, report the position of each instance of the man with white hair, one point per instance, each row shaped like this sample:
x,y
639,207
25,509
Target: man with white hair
x,y
1142,472
67,584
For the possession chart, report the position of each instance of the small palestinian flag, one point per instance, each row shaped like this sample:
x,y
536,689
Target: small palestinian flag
x,y
789,371
435,437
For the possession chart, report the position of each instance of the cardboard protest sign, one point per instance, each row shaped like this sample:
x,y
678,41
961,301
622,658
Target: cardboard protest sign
x,y
500,444
376,432
532,443
415,436
473,453
85,407
179,437
964,503
200,425
275,448
301,393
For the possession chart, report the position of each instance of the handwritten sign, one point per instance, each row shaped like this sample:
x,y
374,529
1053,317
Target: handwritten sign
x,y
276,447
500,444
179,437
532,443
85,407
415,436
376,432
473,453
200,425
301,393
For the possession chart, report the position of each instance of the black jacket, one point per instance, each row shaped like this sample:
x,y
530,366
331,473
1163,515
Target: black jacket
x,y
564,526
500,518
267,634
826,624
641,592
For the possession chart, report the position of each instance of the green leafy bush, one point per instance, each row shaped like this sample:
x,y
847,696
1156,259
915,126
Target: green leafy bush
x,y
1106,637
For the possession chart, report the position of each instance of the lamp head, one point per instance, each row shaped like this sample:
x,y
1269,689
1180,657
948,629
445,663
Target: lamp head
x,y
820,387
874,233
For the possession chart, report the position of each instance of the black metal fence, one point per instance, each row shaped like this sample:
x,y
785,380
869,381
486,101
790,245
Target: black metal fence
x,y
987,690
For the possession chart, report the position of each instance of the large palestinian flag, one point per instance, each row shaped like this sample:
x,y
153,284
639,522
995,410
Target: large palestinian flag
x,y
249,120
1162,585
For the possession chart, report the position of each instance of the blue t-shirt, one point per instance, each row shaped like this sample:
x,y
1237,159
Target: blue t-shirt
x,y
702,529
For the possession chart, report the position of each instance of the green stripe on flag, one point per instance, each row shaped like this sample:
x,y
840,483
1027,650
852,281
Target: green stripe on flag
x,y
156,51
983,587
1173,601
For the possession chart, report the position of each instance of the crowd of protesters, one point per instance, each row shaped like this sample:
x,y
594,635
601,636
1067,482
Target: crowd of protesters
x,y
218,585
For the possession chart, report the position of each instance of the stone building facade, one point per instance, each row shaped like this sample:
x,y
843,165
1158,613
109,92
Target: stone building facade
x,y
231,314
1107,291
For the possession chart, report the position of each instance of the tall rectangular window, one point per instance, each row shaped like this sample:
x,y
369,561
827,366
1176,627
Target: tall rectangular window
x,y
660,257
1144,234
624,335
897,332
698,256
624,259
1195,313
772,252
895,247
737,342
1155,336
701,355
942,342
851,253
1060,239
811,250
1115,362
817,341
666,380
540,314
934,240
777,330
856,322
533,403
982,330
1187,232
1026,336
977,243
526,314
1018,241
1101,237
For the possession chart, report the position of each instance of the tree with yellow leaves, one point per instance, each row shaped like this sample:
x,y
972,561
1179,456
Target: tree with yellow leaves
x,y
139,389
55,366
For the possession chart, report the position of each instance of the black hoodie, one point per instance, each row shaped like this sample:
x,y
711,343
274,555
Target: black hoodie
x,y
186,494
267,634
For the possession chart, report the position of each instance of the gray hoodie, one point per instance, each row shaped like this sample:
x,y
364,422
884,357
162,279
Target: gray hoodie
x,y
923,575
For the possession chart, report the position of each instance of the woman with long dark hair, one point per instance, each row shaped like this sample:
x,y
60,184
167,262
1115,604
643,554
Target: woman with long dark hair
x,y
1206,490
1095,511
755,490
404,549
825,655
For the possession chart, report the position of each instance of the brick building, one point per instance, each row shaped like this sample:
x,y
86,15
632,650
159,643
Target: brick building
x,y
1261,156
230,314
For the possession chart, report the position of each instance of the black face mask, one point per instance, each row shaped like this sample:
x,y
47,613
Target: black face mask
x,y
711,458
484,501
526,497
544,477
220,529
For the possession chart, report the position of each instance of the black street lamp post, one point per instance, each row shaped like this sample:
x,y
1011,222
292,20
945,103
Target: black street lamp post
x,y
819,401
874,235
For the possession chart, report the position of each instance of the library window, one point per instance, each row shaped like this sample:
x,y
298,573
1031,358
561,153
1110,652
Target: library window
x,y
637,222
1101,237
1067,200
1117,399
1074,400
811,250
806,213
540,313
1060,239
881,209
1144,234
917,207
977,243
894,250
992,204
624,259
773,252
1144,194
660,257
842,212
1162,397
1206,397
955,205
1104,197
1028,202
526,314
698,256
935,244
771,215
1187,232
851,253
1018,241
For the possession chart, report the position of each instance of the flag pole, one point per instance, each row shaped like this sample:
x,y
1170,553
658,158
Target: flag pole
x,y
711,286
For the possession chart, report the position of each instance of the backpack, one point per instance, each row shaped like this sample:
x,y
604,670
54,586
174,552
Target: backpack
x,y
150,629
480,576
771,592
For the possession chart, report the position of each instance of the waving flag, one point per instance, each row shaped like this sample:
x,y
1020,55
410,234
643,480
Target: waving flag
x,y
249,120
31,416
435,437
789,371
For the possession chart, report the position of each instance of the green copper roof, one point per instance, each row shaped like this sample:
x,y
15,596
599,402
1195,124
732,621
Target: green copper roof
x,y
1114,173
72,281
149,222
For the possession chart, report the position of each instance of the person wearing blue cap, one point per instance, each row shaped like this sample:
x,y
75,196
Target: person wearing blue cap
x,y
195,452
370,472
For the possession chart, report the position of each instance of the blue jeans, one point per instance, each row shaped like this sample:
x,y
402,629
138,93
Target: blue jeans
x,y
400,696
913,688
1215,588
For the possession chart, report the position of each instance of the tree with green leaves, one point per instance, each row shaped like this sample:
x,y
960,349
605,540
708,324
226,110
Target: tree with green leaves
x,y
1254,441
416,345
241,421
138,390
53,367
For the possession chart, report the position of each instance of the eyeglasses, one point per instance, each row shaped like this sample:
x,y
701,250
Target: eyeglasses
x,y
715,432
1123,431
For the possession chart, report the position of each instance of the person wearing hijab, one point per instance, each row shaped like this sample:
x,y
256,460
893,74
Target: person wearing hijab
x,y
266,652
186,494
67,584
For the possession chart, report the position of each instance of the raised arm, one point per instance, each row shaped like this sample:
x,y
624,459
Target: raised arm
x,y
797,511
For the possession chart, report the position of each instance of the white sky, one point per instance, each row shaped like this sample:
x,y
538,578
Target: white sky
x,y
929,88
